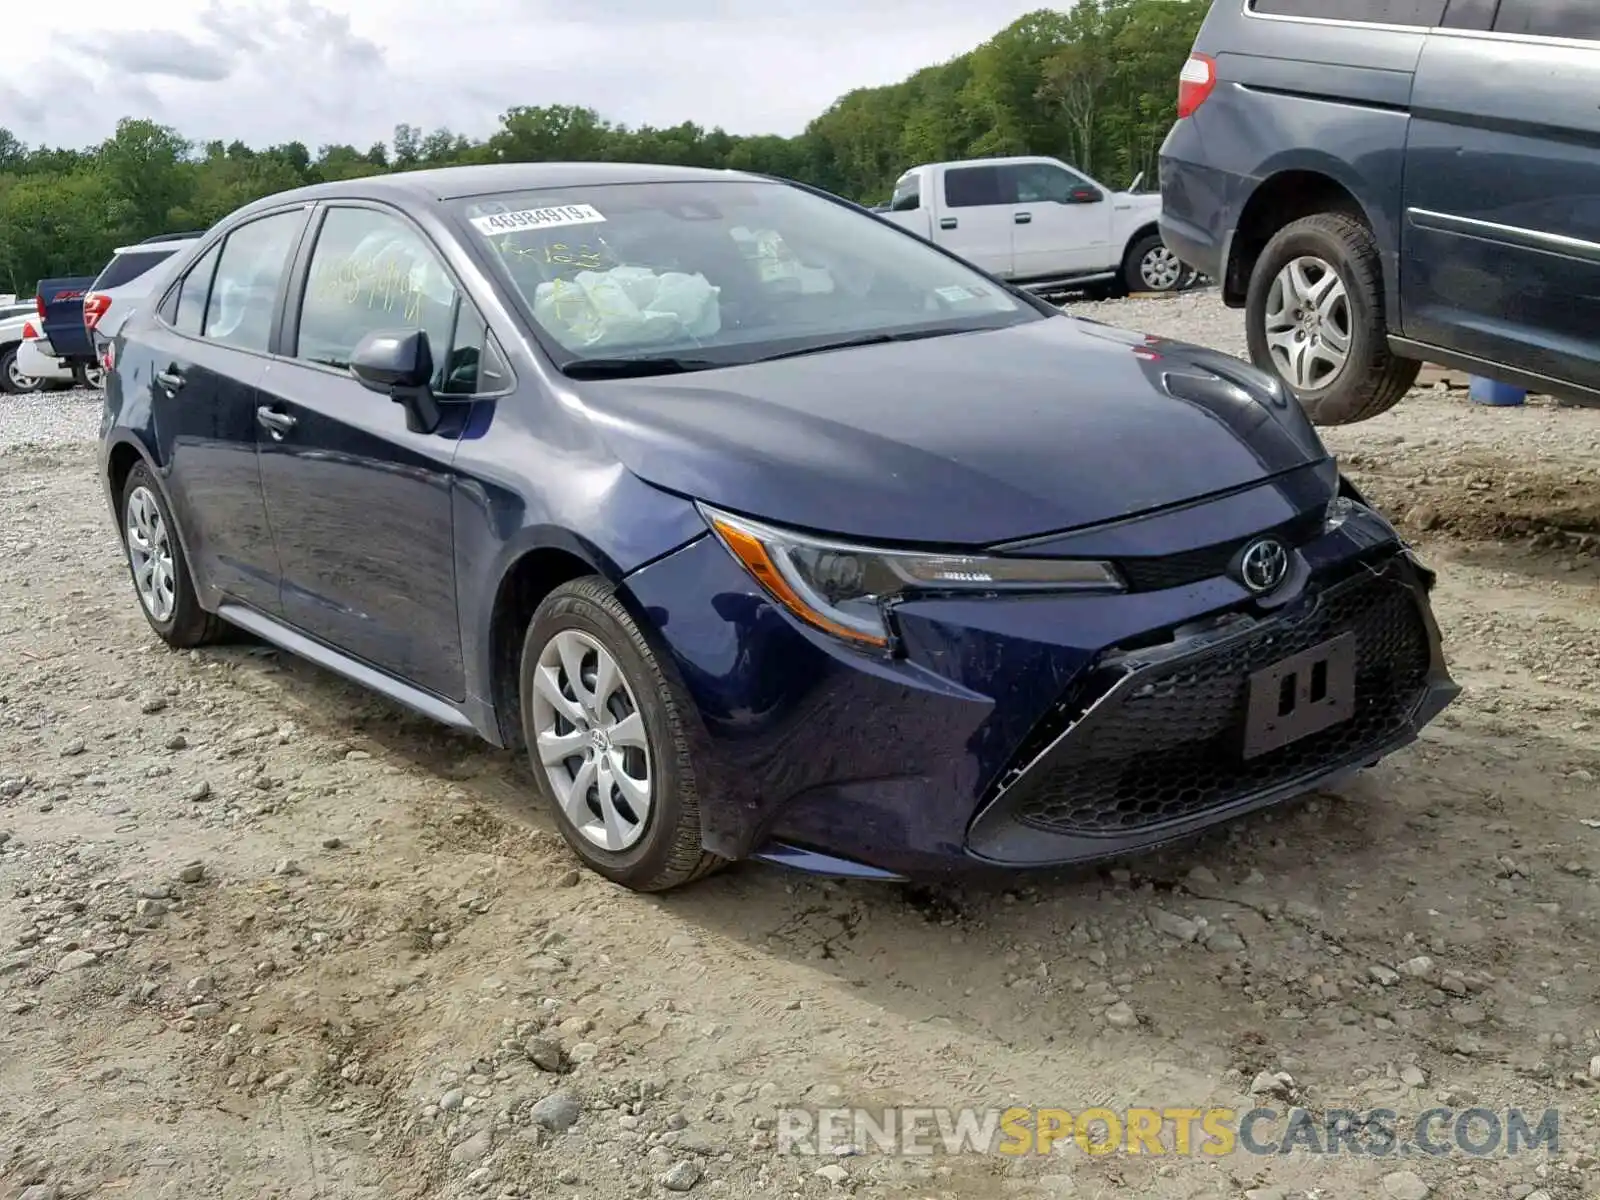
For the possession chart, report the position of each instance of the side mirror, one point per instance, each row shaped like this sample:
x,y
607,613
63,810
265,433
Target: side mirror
x,y
400,365
385,362
1086,195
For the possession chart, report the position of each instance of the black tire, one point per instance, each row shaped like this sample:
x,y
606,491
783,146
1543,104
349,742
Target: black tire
x,y
668,853
93,378
1372,380
188,625
1133,279
9,385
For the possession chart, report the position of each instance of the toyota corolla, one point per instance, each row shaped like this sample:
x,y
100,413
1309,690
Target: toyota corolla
x,y
766,529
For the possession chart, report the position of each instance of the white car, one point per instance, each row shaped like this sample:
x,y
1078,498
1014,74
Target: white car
x,y
21,371
1040,224
131,275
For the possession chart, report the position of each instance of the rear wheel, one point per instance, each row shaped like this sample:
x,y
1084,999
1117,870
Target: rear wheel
x,y
89,377
12,380
1315,317
160,573
607,743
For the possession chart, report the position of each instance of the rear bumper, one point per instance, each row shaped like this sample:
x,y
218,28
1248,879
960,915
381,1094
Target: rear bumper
x,y
35,358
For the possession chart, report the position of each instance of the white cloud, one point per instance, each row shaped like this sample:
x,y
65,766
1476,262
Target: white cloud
x,y
320,71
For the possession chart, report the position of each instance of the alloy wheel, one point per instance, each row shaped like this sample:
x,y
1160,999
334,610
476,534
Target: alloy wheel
x,y
1309,323
95,377
1160,269
18,381
590,739
150,555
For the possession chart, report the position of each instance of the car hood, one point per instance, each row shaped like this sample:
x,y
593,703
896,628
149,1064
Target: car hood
x,y
968,439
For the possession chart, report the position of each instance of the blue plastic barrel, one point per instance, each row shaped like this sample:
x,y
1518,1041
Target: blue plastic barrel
x,y
1492,391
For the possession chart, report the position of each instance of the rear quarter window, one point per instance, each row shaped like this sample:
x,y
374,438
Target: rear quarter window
x,y
125,268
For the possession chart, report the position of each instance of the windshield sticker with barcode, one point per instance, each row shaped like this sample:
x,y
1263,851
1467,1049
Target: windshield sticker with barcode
x,y
538,218
955,293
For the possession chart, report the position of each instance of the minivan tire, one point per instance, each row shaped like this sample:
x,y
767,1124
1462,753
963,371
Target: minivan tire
x,y
668,851
1372,380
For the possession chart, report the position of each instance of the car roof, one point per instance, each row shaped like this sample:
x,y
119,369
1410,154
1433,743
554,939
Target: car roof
x,y
176,242
438,184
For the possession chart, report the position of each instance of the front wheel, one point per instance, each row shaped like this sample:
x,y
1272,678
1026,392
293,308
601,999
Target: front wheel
x,y
1151,267
607,742
12,380
1315,317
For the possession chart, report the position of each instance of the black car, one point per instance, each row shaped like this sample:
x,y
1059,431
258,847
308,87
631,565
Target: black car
x,y
768,528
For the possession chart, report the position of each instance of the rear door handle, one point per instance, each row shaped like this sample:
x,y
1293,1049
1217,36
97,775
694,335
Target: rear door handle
x,y
171,379
1022,218
275,423
947,223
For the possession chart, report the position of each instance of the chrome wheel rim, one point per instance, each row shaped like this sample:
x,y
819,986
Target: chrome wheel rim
x,y
1309,324
590,740
18,381
150,555
1160,269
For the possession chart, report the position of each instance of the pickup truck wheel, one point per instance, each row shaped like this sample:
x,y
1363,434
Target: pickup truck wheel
x,y
1315,317
1151,267
12,381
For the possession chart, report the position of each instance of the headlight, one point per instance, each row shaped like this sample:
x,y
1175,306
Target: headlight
x,y
1340,510
844,589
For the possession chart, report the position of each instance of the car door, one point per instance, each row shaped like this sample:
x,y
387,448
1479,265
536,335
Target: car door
x,y
208,351
1501,241
360,505
1062,222
975,220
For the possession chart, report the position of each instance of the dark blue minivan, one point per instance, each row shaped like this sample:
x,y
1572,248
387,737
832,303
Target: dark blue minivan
x,y
1383,182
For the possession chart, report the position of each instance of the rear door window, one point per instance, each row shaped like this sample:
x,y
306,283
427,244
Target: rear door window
x,y
1578,20
244,294
125,268
1426,13
193,293
978,187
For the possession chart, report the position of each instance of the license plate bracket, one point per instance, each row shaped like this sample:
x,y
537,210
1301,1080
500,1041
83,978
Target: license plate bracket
x,y
1298,696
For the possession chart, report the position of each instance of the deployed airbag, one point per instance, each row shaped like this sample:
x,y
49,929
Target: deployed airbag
x,y
627,307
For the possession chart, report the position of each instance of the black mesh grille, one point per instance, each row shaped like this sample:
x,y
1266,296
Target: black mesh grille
x,y
1156,573
1170,747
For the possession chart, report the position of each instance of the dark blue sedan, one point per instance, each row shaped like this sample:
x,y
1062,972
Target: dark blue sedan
x,y
768,529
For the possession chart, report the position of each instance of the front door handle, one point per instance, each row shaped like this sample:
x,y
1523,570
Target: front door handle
x,y
1022,218
275,423
171,379
947,223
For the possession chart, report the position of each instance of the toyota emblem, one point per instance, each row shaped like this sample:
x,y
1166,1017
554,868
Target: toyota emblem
x,y
1263,564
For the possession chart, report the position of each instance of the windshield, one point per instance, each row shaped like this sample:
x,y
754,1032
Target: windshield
x,y
722,272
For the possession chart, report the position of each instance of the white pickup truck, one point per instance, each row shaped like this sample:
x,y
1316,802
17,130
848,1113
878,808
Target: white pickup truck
x,y
1040,224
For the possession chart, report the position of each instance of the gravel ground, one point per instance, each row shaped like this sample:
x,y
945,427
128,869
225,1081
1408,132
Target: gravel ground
x,y
262,934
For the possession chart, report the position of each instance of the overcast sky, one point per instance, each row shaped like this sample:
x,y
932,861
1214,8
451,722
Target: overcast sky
x,y
320,71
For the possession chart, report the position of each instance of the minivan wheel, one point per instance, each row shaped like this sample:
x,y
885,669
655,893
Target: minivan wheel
x,y
1314,316
607,743
160,574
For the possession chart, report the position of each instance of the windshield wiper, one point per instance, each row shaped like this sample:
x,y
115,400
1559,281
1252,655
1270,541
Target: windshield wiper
x,y
635,368
874,339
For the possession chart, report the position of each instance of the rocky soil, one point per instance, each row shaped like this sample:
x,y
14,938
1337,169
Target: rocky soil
x,y
262,934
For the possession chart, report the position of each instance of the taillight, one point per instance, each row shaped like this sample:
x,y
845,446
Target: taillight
x,y
108,357
28,331
38,303
1196,82
94,307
